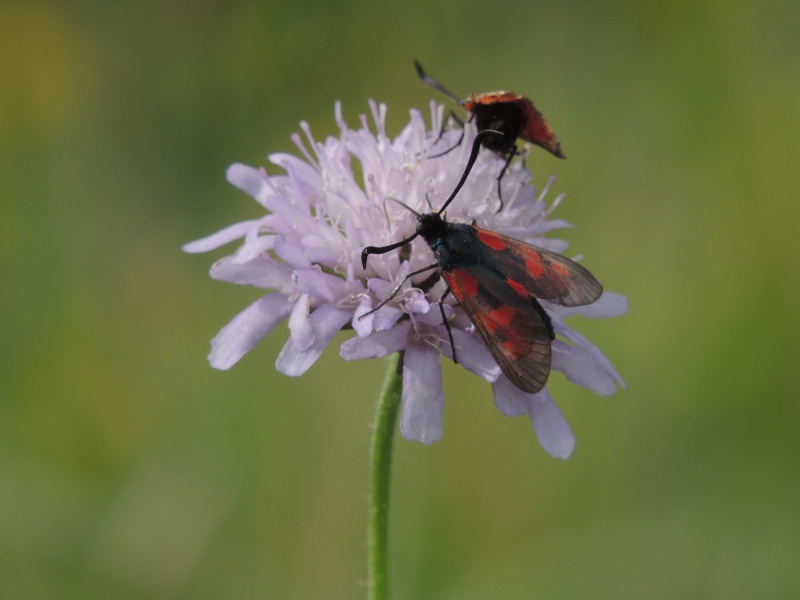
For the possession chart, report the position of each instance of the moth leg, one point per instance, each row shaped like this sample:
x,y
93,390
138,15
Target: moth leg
x,y
452,117
511,154
396,290
447,325
451,148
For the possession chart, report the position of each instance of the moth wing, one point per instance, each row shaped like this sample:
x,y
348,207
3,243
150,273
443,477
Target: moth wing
x,y
513,329
544,274
536,130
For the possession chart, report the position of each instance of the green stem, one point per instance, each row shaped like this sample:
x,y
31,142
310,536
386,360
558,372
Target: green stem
x,y
381,479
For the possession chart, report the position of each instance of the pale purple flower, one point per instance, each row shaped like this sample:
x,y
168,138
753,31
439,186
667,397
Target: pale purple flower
x,y
306,251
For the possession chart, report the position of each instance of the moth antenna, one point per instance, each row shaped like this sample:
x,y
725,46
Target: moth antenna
x,y
432,83
403,204
476,146
383,249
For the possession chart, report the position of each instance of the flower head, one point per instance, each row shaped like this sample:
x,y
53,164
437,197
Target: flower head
x,y
306,251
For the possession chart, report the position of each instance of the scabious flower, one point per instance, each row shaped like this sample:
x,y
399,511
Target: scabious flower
x,y
306,251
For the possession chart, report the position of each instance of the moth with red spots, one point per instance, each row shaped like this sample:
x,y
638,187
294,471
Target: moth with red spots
x,y
498,281
514,116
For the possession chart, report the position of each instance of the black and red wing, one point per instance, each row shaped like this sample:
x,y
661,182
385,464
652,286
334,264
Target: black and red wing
x,y
509,322
536,130
543,274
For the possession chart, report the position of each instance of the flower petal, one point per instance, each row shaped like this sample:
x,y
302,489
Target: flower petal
x,y
255,246
322,286
248,179
300,324
239,336
508,398
386,317
610,304
220,238
584,344
581,369
363,326
423,398
551,428
472,354
376,344
326,321
304,179
292,252
263,273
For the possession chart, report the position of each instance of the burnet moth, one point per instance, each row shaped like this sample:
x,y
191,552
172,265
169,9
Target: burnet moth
x,y
514,116
497,281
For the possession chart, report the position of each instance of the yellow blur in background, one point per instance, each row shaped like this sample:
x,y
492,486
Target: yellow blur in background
x,y
131,469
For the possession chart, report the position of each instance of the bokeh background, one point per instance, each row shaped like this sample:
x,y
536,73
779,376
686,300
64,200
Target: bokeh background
x,y
131,469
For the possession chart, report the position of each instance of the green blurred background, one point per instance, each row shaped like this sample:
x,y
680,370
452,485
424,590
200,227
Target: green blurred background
x,y
131,469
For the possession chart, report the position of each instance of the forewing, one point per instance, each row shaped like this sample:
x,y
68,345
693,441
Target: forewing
x,y
542,273
509,323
